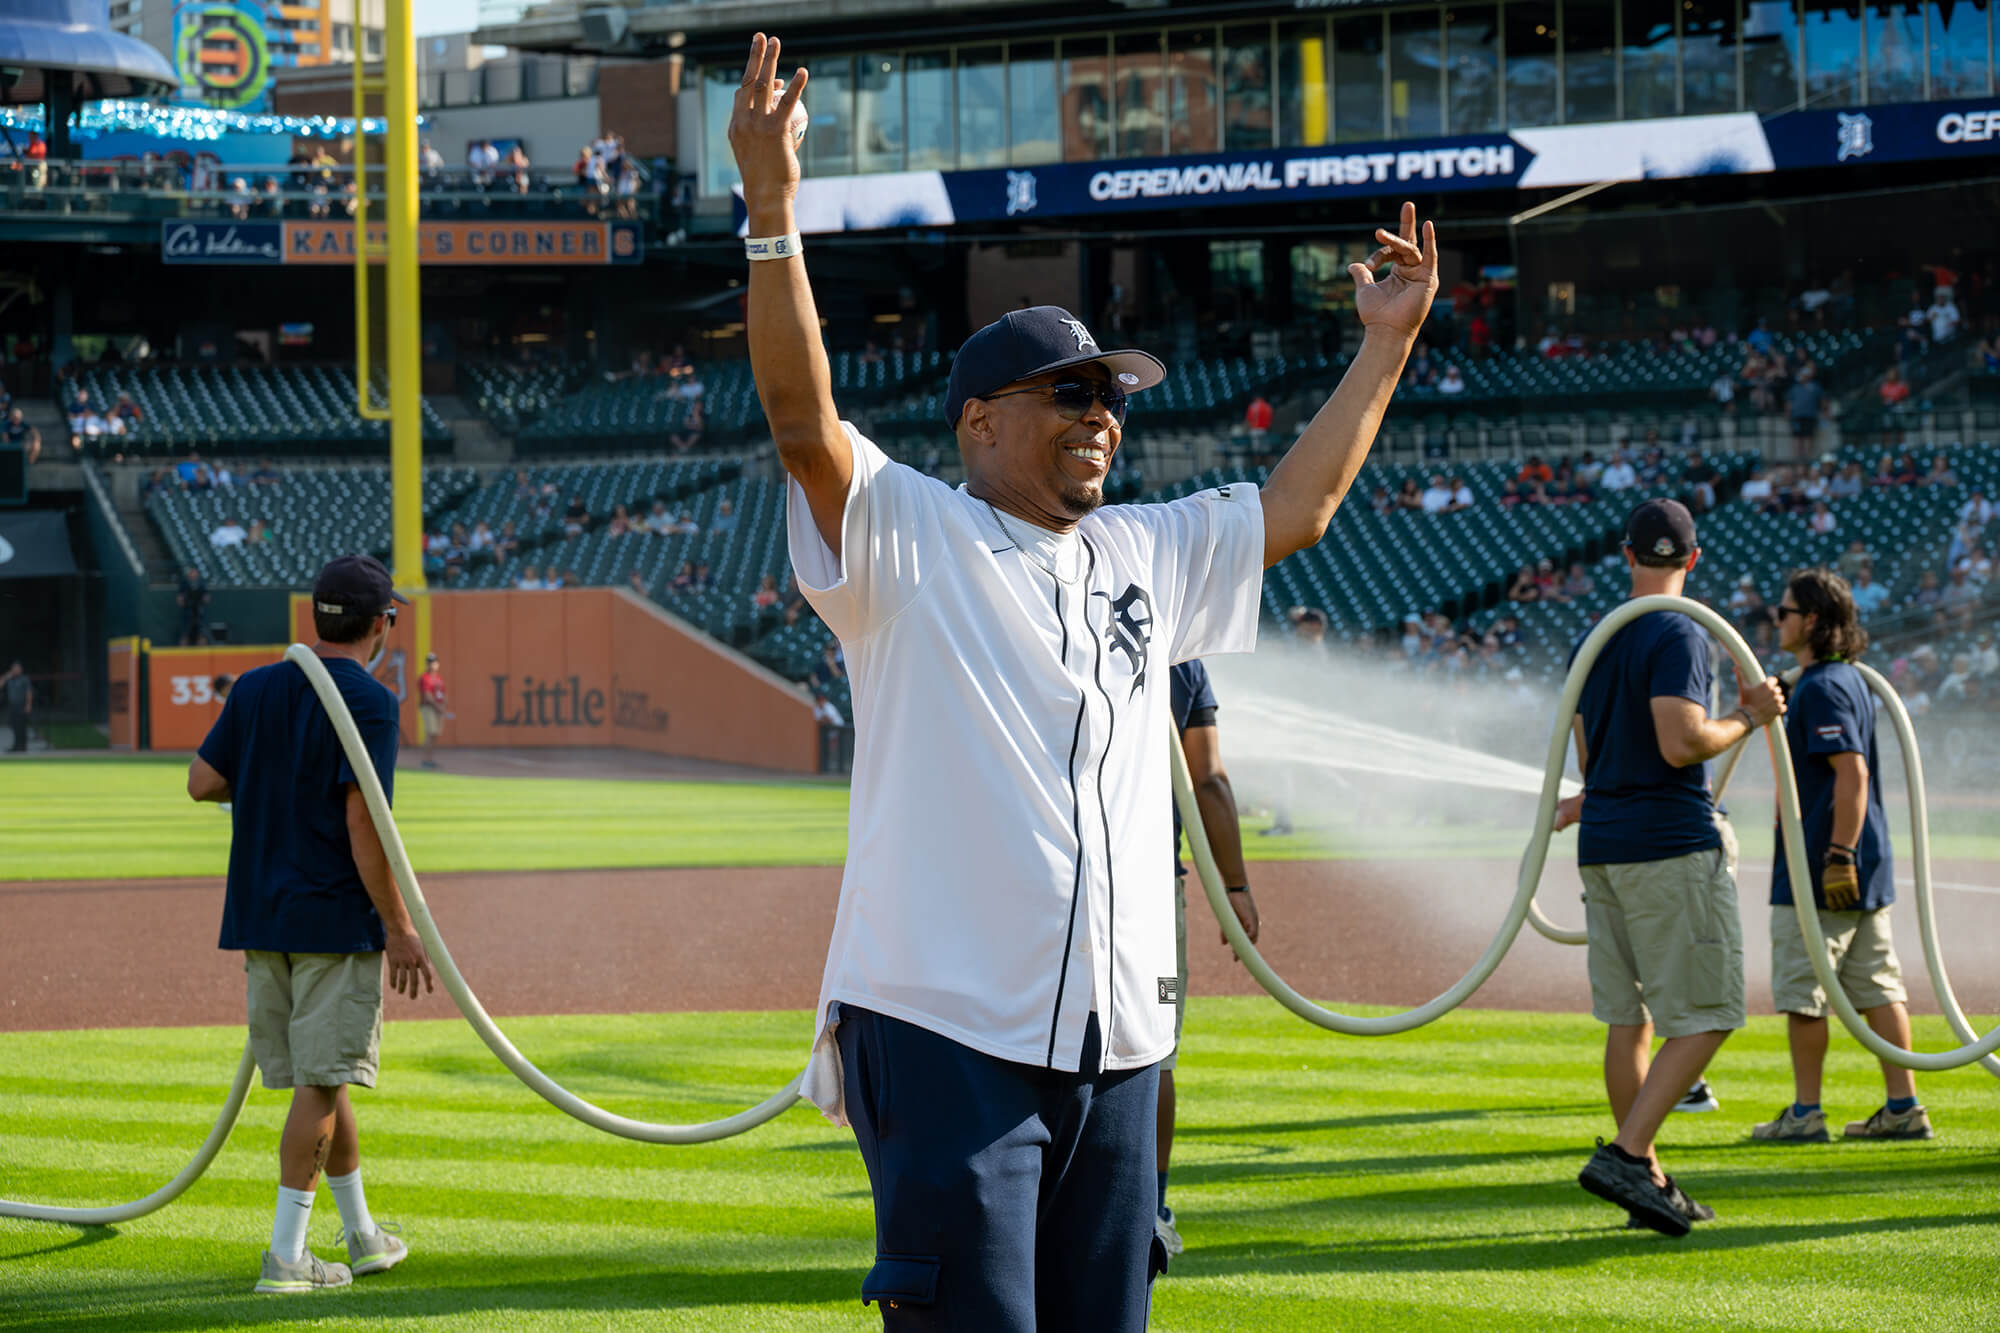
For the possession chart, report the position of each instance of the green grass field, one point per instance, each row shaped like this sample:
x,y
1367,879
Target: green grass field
x,y
1322,1182
129,817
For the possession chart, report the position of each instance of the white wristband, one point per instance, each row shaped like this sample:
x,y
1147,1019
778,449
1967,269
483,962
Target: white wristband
x,y
773,247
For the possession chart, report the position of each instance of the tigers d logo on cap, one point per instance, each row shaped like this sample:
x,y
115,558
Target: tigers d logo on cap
x,y
1022,344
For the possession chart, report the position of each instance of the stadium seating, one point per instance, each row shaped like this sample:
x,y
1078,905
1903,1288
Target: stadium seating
x,y
511,396
1367,575
1626,374
1907,530
314,514
241,409
643,410
537,514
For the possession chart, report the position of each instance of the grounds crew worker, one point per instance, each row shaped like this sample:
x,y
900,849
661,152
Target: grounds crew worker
x,y
311,904
1193,706
1830,727
431,706
1658,864
991,1019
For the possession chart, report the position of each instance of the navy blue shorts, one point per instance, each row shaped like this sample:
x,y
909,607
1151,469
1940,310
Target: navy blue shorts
x,y
1009,1198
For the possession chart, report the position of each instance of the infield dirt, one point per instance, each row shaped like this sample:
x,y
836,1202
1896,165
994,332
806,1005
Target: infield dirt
x,y
142,952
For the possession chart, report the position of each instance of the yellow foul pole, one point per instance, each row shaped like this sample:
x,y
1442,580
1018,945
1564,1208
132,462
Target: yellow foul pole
x,y
406,428
404,361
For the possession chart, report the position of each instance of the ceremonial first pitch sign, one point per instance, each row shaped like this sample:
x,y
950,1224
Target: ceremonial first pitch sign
x,y
501,242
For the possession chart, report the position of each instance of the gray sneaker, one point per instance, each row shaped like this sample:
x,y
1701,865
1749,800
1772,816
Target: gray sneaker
x,y
1163,1227
1914,1123
1790,1127
283,1278
377,1252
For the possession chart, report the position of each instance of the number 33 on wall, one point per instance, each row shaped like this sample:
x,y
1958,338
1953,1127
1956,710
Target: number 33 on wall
x,y
195,690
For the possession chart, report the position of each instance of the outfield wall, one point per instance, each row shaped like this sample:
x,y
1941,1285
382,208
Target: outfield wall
x,y
591,667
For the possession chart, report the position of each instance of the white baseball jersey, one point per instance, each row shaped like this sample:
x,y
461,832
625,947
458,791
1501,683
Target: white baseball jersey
x,y
1008,868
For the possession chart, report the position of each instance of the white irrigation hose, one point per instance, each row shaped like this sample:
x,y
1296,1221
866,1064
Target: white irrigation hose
x,y
454,981
218,1134
1920,858
1536,853
1727,769
468,1003
1920,838
1218,899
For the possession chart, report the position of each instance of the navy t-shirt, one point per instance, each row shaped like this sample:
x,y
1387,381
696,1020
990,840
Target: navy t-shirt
x,y
293,887
1192,700
1832,712
1637,806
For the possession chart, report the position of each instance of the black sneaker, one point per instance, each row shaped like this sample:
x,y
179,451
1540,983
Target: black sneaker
x,y
1614,1177
1700,1097
1691,1208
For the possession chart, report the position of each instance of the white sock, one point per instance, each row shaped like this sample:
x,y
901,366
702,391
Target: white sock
x,y
353,1203
288,1227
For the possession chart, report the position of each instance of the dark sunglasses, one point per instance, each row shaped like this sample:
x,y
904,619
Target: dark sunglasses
x,y
1072,398
1784,611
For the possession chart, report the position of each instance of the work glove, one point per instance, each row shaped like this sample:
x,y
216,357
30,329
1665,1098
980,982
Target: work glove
x,y
1840,880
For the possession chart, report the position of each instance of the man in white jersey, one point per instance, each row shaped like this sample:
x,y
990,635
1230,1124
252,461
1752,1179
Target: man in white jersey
x,y
999,987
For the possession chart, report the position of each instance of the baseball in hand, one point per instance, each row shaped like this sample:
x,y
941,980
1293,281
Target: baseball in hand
x,y
799,118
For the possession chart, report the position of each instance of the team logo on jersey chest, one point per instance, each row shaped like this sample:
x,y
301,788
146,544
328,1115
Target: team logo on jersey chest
x,y
1129,630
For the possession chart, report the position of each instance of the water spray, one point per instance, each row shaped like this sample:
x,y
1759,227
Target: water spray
x,y
1524,908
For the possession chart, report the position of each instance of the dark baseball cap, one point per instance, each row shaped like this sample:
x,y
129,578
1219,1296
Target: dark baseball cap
x,y
1022,344
355,585
1660,532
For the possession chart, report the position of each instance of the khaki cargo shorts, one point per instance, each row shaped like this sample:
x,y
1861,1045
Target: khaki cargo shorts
x,y
1180,968
1666,943
433,719
315,1018
1863,954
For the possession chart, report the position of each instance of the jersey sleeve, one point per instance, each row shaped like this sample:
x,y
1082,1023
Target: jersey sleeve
x,y
1831,723
218,748
1209,561
1678,668
891,535
375,717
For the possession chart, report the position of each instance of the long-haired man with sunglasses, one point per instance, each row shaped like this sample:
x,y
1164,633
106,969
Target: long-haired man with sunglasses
x,y
1830,728
1659,868
310,903
1001,982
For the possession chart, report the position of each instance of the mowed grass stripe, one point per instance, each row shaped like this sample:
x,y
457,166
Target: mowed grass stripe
x,y
1322,1182
129,818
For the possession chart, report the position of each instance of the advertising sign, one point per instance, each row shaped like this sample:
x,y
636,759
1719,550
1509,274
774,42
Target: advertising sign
x,y
181,702
602,667
222,242
1522,159
221,55
301,242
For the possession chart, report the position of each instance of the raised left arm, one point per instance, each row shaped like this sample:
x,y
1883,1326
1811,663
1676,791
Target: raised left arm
x,y
1310,481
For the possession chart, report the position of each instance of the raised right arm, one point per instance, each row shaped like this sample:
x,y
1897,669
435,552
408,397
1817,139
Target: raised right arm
x,y
786,354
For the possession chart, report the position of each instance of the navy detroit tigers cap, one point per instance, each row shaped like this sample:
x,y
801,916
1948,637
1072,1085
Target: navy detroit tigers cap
x,y
355,585
1660,532
1024,343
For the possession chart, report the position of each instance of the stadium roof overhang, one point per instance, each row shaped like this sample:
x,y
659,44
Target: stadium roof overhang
x,y
661,29
47,43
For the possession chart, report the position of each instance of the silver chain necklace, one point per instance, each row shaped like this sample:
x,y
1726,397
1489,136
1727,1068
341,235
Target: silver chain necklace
x,y
1025,549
